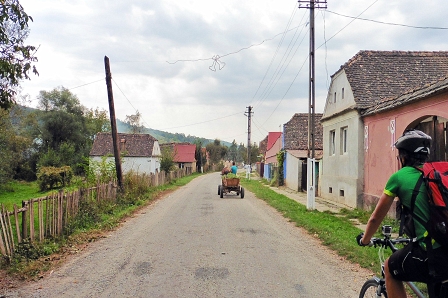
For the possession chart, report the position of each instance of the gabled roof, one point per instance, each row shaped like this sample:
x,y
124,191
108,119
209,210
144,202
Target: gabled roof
x,y
438,87
378,75
184,152
134,145
272,138
263,145
296,132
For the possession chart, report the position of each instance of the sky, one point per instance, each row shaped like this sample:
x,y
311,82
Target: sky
x,y
195,66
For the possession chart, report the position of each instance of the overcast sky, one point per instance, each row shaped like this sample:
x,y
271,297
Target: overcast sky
x,y
194,66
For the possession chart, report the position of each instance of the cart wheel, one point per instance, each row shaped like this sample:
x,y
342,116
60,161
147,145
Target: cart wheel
x,y
242,192
221,195
219,189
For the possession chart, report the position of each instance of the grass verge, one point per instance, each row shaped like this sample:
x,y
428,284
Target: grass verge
x,y
336,232
33,260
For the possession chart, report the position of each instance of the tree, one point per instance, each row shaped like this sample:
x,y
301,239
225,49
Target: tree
x,y
232,153
16,58
167,160
216,151
12,148
65,129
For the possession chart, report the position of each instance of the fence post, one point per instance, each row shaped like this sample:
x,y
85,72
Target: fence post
x,y
24,224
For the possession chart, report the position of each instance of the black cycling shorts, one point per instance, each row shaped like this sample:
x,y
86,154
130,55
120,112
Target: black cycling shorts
x,y
411,264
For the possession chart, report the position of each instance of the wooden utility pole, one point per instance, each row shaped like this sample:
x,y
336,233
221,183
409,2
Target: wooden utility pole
x,y
113,123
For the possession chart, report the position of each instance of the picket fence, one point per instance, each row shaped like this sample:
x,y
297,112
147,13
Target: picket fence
x,y
49,216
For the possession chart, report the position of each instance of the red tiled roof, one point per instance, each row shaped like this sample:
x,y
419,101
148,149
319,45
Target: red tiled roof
x,y
184,152
272,138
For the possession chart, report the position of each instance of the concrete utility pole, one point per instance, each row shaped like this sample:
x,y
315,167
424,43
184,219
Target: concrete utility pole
x,y
113,123
311,162
249,115
311,5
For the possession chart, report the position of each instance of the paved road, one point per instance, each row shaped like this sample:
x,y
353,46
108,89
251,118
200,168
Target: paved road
x,y
194,244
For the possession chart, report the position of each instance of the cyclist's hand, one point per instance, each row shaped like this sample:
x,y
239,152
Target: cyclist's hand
x,y
359,240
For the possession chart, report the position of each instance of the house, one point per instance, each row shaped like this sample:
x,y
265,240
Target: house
x,y
295,136
139,152
184,154
367,79
425,109
262,147
274,145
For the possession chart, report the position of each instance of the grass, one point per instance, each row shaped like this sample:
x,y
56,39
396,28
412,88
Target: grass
x,y
32,259
336,232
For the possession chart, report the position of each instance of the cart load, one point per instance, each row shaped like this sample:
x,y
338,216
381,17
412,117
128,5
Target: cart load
x,y
230,184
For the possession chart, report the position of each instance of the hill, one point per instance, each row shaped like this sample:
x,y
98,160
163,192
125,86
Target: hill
x,y
167,137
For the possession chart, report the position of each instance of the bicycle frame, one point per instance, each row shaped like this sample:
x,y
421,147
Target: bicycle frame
x,y
383,244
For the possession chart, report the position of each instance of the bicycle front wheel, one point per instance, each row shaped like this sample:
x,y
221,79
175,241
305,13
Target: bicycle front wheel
x,y
371,288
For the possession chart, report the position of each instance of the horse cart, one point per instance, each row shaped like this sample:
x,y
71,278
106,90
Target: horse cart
x,y
229,185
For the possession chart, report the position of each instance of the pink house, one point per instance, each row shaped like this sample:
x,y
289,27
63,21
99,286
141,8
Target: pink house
x,y
273,147
425,109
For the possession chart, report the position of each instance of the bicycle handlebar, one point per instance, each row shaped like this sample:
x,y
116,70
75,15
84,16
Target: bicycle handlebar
x,y
387,242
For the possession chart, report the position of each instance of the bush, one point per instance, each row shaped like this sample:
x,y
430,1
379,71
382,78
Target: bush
x,y
51,177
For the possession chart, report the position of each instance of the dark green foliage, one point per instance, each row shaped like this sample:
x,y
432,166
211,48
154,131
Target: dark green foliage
x,y
51,177
167,160
16,58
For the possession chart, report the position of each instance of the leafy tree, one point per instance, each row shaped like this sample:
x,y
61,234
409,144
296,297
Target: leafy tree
x,y
64,129
199,155
16,58
216,151
167,160
232,153
12,148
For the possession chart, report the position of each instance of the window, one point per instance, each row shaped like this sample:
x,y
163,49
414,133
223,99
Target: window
x,y
342,95
344,140
330,189
335,97
332,142
341,192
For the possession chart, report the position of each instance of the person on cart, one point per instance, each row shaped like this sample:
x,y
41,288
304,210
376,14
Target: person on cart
x,y
234,168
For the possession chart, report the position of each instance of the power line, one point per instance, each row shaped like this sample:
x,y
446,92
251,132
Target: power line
x,y
388,23
85,84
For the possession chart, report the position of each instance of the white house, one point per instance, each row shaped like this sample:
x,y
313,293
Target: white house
x,y
139,152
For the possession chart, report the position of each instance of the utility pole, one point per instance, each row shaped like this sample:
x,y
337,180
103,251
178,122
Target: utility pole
x,y
311,5
249,115
311,173
113,123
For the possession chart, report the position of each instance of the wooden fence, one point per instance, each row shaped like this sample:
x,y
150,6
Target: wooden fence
x,y
49,217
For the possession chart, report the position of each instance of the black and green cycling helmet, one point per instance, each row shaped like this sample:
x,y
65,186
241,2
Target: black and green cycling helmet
x,y
414,141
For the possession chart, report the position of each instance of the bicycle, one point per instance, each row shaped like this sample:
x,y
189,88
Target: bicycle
x,y
376,286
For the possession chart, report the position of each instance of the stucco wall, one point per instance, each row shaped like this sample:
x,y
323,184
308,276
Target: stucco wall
x,y
380,154
137,164
341,177
293,172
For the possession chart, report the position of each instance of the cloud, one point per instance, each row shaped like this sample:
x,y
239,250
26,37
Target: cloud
x,y
161,51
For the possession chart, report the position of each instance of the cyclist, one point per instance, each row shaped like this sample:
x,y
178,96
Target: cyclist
x,y
234,168
411,262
